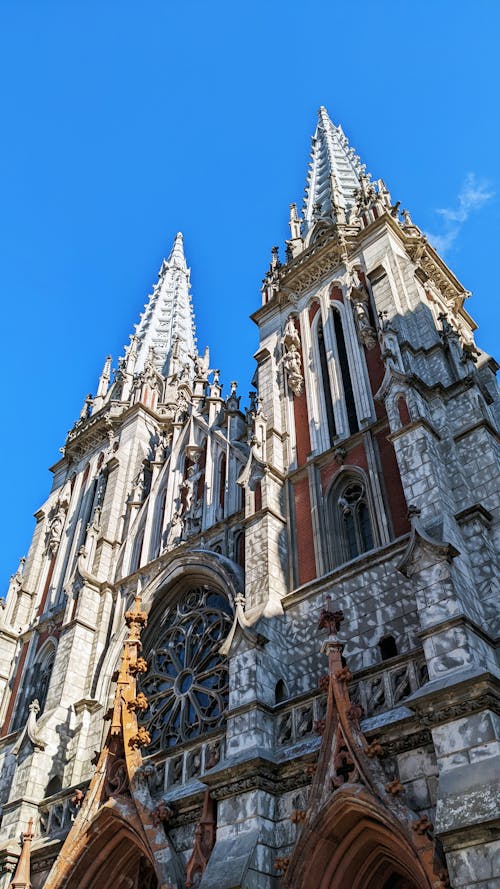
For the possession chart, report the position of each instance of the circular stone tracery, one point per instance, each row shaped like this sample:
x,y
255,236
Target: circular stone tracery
x,y
187,680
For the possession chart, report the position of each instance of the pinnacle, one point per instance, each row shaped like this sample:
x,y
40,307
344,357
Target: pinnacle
x,y
167,314
177,257
334,173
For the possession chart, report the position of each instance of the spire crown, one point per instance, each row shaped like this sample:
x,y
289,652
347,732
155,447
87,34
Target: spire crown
x,y
168,315
335,173
177,257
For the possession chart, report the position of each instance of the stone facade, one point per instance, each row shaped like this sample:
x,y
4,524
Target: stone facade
x,y
193,738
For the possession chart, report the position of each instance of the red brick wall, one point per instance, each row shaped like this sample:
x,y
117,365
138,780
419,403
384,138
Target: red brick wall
x,y
393,486
404,413
304,532
355,457
47,585
301,418
336,293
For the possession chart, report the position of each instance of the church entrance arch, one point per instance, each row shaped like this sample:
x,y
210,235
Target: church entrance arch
x,y
353,843
109,855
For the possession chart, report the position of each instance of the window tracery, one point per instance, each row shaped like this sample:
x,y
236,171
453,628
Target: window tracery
x,y
187,681
37,686
352,524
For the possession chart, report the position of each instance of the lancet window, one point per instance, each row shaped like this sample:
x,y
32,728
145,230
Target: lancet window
x,y
351,519
345,373
337,406
187,680
37,685
326,382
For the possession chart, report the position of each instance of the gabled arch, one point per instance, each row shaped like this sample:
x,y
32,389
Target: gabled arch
x,y
354,843
110,853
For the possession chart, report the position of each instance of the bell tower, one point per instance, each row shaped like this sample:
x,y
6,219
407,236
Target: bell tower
x,y
381,414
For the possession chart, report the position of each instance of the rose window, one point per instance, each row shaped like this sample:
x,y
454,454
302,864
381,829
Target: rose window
x,y
187,680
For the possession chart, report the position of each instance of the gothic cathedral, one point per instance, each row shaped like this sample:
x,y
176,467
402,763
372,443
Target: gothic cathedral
x,y
254,648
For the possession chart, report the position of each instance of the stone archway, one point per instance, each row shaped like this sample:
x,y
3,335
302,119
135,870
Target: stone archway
x,y
119,864
355,844
110,854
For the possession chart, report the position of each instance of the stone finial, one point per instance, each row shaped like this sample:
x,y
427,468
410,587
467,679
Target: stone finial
x,y
294,222
21,878
330,620
31,730
204,841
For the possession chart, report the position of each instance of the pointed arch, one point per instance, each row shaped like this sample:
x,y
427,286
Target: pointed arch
x,y
37,681
180,573
110,854
354,843
345,371
351,516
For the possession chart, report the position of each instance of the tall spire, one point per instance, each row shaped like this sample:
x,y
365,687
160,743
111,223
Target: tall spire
x,y
334,175
168,315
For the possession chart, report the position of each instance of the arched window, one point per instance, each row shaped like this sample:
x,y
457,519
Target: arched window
x,y
337,405
326,382
351,519
37,685
239,548
388,647
42,673
222,483
281,691
187,680
135,562
343,361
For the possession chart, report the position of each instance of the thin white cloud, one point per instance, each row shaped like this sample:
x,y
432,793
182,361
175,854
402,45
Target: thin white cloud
x,y
473,194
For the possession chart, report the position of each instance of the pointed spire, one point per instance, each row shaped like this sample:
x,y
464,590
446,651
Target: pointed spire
x,y
103,386
21,878
168,315
177,257
335,173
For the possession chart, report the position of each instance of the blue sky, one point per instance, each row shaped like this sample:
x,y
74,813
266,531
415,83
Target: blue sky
x,y
126,122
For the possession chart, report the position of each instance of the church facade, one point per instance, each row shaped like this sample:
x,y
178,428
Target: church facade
x,y
255,648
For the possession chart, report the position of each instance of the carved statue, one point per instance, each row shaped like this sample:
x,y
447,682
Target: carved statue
x,y
291,357
360,299
56,528
188,486
175,531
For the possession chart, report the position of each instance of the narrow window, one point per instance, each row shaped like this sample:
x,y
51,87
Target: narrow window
x,y
239,548
352,526
388,647
326,382
222,481
280,692
346,374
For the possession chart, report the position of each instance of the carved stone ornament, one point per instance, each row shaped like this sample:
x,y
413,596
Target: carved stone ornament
x,y
31,730
21,878
204,841
350,786
360,299
291,358
56,527
120,773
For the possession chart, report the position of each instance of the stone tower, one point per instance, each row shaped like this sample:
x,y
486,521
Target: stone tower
x,y
256,648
